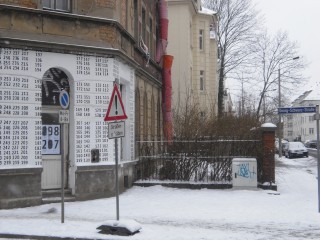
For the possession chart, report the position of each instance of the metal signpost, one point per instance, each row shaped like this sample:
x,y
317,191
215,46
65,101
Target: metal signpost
x,y
116,129
317,118
63,120
294,110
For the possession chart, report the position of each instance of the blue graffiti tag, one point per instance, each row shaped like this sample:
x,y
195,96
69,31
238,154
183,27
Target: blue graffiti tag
x,y
244,171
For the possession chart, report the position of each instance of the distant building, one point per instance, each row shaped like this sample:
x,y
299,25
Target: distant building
x,y
301,127
192,42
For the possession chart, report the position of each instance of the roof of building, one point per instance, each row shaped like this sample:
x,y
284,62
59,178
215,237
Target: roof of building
x,y
301,98
207,11
314,95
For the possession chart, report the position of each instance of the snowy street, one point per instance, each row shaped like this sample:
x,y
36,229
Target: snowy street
x,y
175,214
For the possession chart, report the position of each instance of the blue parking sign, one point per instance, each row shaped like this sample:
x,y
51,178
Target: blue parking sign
x,y
64,99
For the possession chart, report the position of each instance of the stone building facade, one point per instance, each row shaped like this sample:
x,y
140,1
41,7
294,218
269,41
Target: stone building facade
x,y
64,57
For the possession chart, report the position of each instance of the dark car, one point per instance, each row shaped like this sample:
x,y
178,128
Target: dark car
x,y
311,144
295,149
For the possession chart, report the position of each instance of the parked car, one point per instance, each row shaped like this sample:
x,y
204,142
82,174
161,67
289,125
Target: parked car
x,y
311,144
295,149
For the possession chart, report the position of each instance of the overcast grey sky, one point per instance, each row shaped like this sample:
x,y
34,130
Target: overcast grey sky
x,y
301,19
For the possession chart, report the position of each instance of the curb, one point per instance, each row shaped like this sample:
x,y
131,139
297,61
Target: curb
x,y
20,236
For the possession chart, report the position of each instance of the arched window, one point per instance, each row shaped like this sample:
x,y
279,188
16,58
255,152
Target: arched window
x,y
158,119
53,82
137,121
153,119
137,115
145,117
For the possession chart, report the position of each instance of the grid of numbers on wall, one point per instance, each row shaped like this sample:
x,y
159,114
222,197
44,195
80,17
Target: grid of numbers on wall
x,y
91,101
19,148
20,109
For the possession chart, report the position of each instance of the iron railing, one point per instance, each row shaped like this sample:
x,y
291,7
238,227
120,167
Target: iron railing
x,y
194,161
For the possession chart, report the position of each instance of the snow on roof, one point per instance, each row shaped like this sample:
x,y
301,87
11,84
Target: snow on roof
x,y
207,11
314,95
268,125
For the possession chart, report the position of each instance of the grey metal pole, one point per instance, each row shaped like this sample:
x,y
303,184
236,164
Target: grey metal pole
x,y
318,155
280,127
62,173
117,180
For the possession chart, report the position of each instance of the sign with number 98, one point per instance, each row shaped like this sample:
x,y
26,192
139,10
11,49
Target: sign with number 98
x,y
51,139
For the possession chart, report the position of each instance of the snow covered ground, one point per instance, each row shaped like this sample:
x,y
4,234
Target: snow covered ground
x,y
181,214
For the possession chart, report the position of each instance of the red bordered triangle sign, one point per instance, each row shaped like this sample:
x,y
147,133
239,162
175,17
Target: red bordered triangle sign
x,y
115,109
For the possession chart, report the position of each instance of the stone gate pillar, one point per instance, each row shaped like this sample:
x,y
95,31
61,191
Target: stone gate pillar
x,y
267,180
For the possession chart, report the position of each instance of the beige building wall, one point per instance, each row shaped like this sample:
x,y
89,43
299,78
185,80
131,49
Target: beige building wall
x,y
180,43
190,62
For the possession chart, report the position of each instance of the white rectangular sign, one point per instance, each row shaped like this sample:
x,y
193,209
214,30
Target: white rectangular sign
x,y
64,116
116,129
51,139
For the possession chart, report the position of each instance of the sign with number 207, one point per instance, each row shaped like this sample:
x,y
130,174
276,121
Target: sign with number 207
x,y
50,139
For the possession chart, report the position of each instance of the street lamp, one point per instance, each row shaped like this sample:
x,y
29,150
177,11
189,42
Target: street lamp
x,y
280,126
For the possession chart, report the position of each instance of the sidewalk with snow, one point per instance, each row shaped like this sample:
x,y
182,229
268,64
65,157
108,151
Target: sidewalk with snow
x,y
182,214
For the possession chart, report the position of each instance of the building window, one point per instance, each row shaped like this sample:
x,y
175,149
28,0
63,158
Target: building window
x,y
158,119
201,31
202,115
310,118
201,80
153,119
138,120
59,5
151,37
127,13
145,117
135,11
311,131
143,24
290,133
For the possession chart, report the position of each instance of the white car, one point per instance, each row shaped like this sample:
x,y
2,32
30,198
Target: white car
x,y
295,149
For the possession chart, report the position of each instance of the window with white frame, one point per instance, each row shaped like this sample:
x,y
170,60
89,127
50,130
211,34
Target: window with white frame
x,y
311,131
201,32
201,80
59,5
310,118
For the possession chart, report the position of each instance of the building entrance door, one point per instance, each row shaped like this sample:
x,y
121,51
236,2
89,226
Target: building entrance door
x,y
55,136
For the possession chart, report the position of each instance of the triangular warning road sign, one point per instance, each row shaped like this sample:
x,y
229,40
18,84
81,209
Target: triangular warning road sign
x,y
115,109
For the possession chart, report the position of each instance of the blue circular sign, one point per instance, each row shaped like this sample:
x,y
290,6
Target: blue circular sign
x,y
64,99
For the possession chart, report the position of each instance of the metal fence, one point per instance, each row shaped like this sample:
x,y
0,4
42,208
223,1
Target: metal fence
x,y
194,161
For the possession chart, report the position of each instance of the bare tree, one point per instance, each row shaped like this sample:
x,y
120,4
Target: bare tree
x,y
273,58
236,23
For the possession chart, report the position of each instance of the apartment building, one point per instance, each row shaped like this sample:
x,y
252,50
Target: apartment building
x,y
192,42
59,63
302,127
